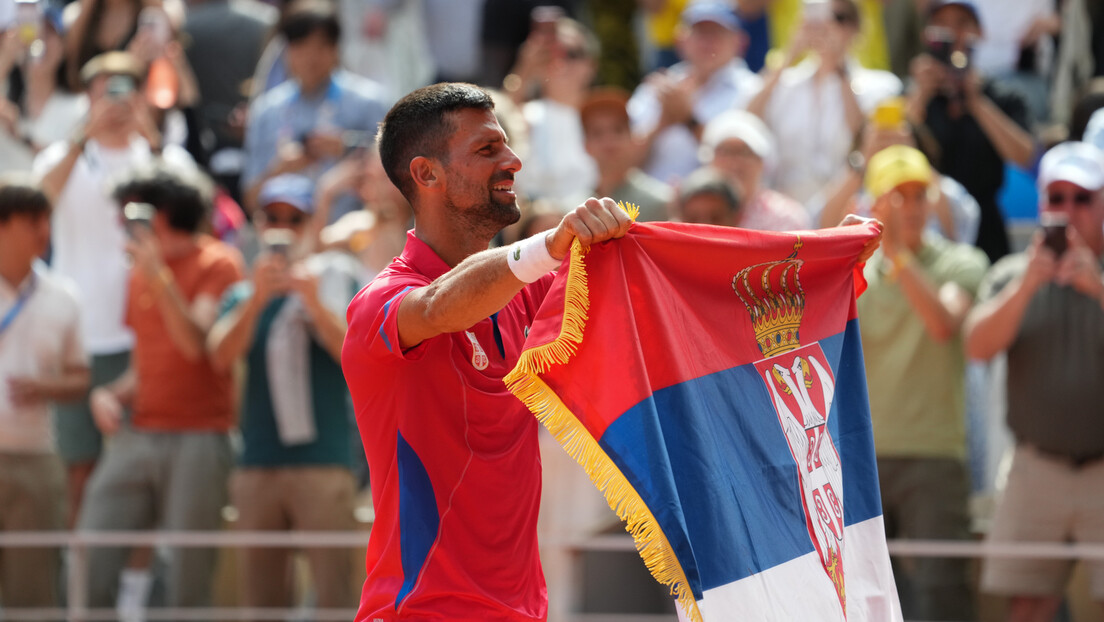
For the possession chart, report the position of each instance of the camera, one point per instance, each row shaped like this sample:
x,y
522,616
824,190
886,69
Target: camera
x,y
138,215
278,242
1054,231
939,43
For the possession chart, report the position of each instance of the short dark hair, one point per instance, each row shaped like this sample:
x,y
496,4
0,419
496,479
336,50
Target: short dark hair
x,y
420,125
184,195
21,196
306,17
708,181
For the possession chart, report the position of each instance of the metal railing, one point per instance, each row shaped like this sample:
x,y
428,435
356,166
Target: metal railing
x,y
78,543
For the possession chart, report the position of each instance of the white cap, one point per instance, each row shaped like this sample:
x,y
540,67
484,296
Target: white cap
x,y
1079,163
738,124
1094,131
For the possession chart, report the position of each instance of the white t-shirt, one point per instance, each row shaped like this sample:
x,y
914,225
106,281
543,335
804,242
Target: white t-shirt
x,y
558,166
1004,23
674,153
88,234
40,342
808,120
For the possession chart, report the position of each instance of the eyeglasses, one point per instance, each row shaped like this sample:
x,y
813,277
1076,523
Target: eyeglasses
x,y
845,18
575,54
1080,199
292,220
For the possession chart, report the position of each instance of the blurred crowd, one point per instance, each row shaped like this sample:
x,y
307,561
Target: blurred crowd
x,y
192,195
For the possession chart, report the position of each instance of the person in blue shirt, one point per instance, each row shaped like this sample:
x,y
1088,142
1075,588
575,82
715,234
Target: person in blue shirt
x,y
310,122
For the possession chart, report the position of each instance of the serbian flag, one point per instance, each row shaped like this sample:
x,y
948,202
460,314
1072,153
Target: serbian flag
x,y
710,381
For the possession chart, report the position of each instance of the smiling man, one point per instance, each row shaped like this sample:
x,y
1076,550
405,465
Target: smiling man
x,y
453,455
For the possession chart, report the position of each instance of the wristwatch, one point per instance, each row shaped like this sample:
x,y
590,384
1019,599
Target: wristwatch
x,y
856,161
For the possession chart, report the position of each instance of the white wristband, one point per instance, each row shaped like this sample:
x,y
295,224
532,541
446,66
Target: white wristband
x,y
529,259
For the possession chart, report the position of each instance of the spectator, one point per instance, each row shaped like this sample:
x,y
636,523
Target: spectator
x,y
978,127
706,197
225,42
953,213
670,108
920,287
40,110
739,146
88,237
559,167
167,466
609,141
308,123
1016,47
816,108
98,27
41,360
288,323
1043,308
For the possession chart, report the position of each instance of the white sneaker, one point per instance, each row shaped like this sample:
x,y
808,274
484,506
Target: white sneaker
x,y
134,591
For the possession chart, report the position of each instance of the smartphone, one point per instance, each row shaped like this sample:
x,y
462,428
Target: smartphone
x,y
28,19
542,25
939,43
120,87
817,10
138,215
1054,231
890,114
278,242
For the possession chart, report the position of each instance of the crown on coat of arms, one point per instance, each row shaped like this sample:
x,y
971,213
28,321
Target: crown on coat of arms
x,y
773,296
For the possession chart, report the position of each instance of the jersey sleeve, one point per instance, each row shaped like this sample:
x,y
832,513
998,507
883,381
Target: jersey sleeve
x,y
373,321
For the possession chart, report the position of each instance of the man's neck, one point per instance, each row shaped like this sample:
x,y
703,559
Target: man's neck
x,y
178,244
452,240
315,89
14,270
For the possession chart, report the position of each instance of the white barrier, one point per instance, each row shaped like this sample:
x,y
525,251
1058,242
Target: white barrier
x,y
78,542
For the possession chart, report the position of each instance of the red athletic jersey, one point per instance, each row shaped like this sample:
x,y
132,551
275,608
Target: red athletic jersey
x,y
455,469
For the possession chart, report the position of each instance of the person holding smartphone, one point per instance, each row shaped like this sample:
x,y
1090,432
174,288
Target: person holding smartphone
x,y
1045,309
978,126
89,238
295,472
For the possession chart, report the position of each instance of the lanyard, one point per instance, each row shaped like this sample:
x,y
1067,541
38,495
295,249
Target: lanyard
x,y
20,302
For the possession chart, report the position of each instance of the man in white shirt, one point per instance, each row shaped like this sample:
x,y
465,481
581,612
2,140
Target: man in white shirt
x,y
88,235
670,108
816,108
41,360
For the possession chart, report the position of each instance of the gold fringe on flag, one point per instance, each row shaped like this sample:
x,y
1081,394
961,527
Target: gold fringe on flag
x,y
525,383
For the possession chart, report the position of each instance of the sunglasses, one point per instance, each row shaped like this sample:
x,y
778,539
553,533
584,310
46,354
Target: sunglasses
x,y
575,54
293,220
845,18
1080,199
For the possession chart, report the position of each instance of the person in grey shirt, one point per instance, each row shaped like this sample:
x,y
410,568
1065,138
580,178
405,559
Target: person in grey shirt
x,y
1045,308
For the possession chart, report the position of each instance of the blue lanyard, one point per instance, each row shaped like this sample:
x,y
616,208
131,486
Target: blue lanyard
x,y
20,302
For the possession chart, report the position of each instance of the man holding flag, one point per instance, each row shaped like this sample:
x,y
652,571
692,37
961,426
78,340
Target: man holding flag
x,y
453,455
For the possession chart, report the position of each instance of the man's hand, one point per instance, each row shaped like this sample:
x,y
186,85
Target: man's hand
x,y
107,410
25,391
145,252
324,146
596,220
871,245
270,277
1042,265
928,77
304,284
1079,269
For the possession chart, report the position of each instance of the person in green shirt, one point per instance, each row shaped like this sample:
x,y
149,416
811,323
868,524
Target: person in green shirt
x,y
921,286
288,324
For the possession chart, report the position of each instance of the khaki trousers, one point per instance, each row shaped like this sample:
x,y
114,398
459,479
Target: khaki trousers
x,y
32,498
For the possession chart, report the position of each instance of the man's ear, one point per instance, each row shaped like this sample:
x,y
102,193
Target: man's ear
x,y
426,172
